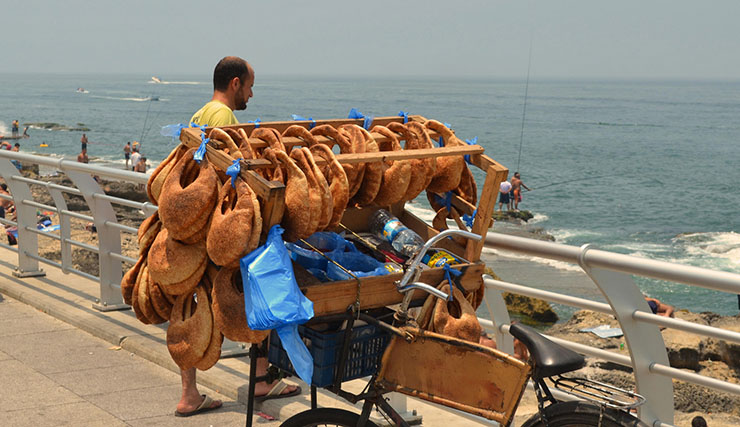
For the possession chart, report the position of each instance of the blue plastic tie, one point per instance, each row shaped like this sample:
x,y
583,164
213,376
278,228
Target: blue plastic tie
x,y
405,116
256,122
201,151
447,200
469,218
449,270
355,114
296,117
472,141
172,131
233,171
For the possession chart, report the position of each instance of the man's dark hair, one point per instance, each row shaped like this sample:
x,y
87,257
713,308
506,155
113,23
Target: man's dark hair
x,y
17,144
4,187
227,69
698,421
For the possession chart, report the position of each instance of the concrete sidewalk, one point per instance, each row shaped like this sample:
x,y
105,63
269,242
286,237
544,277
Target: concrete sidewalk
x,y
123,373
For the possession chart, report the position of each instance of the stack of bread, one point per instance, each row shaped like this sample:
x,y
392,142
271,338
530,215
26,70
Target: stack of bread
x,y
188,269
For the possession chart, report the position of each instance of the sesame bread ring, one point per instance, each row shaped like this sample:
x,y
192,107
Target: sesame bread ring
x,y
339,187
327,204
242,142
302,133
228,308
314,190
297,216
420,167
185,208
160,302
396,174
373,173
456,318
146,304
231,225
189,332
128,282
157,178
221,135
175,266
424,141
148,231
271,136
354,179
213,351
449,168
357,141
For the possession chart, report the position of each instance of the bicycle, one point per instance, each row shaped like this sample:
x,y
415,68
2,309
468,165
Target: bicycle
x,y
603,404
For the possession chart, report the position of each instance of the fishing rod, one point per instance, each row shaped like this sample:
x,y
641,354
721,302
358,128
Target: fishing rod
x,y
526,93
572,180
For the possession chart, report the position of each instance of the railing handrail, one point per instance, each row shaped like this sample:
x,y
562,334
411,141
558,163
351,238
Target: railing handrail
x,y
612,274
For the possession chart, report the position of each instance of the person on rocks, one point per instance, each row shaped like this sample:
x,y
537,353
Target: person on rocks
x,y
233,79
505,195
659,308
516,190
82,157
135,156
127,152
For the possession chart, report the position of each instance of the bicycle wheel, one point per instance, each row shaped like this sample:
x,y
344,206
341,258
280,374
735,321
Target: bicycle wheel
x,y
577,414
325,417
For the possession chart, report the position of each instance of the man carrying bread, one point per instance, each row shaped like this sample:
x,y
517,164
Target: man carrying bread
x,y
233,79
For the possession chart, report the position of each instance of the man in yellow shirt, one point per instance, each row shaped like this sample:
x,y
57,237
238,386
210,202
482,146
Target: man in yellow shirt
x,y
233,79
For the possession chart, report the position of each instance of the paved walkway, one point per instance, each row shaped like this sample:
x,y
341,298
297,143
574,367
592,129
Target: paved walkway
x,y
78,365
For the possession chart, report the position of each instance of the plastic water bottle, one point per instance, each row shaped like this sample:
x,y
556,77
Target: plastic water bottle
x,y
385,225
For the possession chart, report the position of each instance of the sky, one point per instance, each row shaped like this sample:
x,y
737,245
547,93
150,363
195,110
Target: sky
x,y
623,39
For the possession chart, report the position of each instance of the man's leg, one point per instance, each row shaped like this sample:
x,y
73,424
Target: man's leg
x,y
262,388
191,397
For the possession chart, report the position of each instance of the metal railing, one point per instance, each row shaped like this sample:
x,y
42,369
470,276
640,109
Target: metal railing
x,y
610,272
84,176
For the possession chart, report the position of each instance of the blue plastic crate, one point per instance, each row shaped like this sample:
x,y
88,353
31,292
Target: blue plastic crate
x,y
363,357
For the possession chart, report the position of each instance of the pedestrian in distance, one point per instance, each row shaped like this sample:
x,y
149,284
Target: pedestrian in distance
x,y
83,142
505,195
135,156
82,157
127,152
516,190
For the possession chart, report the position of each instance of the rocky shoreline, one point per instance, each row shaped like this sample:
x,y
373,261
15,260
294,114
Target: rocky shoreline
x,y
706,356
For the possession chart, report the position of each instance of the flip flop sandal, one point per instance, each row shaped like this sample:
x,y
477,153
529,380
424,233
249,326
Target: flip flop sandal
x,y
277,392
205,406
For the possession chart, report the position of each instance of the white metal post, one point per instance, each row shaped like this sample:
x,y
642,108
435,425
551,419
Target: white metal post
x,y
26,217
645,342
109,241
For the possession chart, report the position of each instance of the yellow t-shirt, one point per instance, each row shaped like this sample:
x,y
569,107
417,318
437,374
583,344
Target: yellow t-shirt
x,y
214,113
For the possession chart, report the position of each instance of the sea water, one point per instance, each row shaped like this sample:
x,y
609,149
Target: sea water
x,y
647,168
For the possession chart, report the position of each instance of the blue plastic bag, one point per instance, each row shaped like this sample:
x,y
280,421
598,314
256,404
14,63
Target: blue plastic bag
x,y
359,264
272,299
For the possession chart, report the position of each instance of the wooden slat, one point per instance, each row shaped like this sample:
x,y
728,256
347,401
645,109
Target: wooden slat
x,y
281,126
380,291
483,217
381,156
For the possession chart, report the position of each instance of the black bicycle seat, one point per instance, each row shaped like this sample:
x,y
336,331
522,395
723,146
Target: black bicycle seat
x,y
549,358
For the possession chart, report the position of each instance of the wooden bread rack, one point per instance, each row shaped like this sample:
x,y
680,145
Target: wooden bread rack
x,y
376,291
